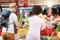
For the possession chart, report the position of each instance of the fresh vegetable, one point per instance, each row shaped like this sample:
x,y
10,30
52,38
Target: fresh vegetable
x,y
22,32
46,32
58,28
58,35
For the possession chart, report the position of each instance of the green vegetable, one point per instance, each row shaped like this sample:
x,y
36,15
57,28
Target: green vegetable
x,y
43,38
58,28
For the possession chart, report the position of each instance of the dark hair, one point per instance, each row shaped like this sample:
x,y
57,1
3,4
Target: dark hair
x,y
36,9
31,13
0,8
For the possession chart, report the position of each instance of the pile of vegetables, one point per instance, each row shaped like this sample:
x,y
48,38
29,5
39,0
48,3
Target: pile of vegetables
x,y
48,32
22,32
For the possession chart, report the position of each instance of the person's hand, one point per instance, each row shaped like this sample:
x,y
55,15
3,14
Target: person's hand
x,y
20,27
54,22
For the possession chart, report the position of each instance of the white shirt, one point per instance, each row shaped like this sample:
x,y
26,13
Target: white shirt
x,y
35,25
12,18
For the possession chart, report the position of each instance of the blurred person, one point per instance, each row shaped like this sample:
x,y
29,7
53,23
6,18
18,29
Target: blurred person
x,y
35,24
14,21
49,18
13,8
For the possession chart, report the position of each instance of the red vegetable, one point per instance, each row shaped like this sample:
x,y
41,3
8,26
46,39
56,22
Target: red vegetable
x,y
46,32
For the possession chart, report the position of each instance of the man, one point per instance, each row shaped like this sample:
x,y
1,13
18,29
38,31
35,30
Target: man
x,y
35,24
13,20
13,8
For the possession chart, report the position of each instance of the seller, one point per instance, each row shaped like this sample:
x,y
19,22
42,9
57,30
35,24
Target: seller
x,y
49,18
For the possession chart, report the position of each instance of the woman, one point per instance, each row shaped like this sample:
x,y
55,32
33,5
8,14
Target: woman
x,y
35,24
49,18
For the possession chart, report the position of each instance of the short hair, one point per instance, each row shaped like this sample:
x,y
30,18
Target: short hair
x,y
36,9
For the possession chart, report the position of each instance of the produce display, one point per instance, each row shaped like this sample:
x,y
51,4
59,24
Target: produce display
x,y
48,32
58,35
58,28
22,32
